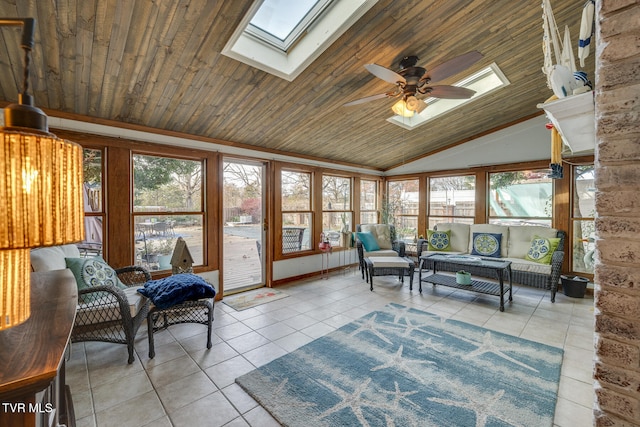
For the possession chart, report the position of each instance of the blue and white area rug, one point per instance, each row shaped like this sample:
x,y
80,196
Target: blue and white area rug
x,y
405,367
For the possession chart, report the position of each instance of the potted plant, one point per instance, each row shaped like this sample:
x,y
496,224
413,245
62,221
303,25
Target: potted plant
x,y
165,252
463,277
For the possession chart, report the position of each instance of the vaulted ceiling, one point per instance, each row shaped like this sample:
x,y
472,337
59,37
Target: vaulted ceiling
x,y
159,64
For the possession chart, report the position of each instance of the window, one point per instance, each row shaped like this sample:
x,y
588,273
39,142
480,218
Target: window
x,y
582,219
452,199
368,202
167,204
296,211
401,208
281,23
520,197
277,36
336,209
93,203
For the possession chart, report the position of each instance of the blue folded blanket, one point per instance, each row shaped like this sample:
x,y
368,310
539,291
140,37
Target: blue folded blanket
x,y
175,289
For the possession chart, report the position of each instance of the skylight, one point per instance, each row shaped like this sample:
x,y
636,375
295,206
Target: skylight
x,y
483,82
283,37
282,22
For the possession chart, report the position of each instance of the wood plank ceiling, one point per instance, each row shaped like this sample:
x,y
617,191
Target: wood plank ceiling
x,y
158,64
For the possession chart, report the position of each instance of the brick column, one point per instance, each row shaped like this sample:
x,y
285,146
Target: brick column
x,y
617,272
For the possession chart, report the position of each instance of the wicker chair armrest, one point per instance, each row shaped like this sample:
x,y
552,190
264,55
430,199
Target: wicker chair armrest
x,y
133,275
419,246
556,265
399,246
115,295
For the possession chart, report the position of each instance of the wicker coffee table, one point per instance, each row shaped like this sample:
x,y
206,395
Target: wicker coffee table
x,y
389,266
498,266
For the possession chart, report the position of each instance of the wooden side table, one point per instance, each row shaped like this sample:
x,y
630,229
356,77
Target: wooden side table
x,y
32,356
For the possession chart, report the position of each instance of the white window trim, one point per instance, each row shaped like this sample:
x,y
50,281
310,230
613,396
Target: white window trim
x,y
256,53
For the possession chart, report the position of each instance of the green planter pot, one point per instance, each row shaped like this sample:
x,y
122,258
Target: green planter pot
x,y
463,278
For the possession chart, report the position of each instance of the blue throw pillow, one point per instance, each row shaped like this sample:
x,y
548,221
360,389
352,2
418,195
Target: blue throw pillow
x,y
368,241
487,244
175,289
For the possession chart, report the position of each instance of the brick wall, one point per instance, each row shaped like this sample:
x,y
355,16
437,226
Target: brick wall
x,y
617,275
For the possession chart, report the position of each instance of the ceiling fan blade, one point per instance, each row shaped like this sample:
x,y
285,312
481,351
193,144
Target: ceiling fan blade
x,y
450,92
453,66
367,99
385,74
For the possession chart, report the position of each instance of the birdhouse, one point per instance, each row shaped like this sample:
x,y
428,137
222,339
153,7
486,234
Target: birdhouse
x,y
181,261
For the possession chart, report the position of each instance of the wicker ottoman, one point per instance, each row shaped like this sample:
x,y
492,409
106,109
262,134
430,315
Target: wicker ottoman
x,y
389,266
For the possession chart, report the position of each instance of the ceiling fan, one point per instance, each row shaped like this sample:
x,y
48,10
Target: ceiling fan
x,y
411,81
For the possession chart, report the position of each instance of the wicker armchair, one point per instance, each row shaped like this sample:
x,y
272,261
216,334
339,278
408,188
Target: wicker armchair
x,y
111,314
105,312
397,248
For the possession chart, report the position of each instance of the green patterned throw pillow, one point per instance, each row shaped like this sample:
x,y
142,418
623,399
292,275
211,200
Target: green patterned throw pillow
x,y
90,272
439,240
542,249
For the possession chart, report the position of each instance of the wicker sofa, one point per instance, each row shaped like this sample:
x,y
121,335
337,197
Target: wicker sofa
x,y
516,241
105,312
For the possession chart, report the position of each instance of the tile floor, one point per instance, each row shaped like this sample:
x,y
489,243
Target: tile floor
x,y
188,385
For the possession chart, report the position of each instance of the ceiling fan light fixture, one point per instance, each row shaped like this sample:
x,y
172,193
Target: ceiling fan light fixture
x,y
415,104
400,109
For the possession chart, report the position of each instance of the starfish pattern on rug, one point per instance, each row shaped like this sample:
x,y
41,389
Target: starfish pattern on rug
x,y
465,376
396,361
430,344
487,346
410,327
371,326
482,407
352,401
399,396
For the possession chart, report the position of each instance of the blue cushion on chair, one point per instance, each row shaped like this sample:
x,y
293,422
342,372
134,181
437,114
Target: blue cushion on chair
x,y
175,289
368,241
487,244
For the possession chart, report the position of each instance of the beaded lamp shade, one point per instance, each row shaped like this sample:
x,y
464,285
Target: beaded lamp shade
x,y
40,194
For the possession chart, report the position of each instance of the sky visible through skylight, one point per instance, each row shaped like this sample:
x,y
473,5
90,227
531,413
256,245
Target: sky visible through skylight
x,y
280,17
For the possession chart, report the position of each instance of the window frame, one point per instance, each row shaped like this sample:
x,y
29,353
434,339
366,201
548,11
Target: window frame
x,y
278,241
169,213
348,210
466,219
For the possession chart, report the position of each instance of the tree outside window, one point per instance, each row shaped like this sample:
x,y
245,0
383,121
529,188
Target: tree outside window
x,y
336,210
296,211
167,204
400,208
368,202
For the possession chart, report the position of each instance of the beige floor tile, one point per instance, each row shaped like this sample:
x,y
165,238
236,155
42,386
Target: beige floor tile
x,y
264,354
216,354
293,341
186,390
138,411
275,331
259,417
247,342
108,395
171,371
570,414
225,373
213,410
239,398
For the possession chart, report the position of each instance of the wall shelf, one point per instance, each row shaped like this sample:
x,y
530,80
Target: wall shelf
x,y
574,118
